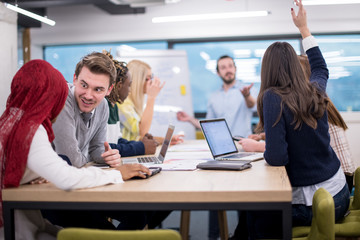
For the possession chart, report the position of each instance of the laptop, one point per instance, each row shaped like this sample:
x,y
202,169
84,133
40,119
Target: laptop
x,y
152,159
221,143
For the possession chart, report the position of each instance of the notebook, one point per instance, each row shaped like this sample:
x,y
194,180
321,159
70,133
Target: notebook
x,y
152,159
221,143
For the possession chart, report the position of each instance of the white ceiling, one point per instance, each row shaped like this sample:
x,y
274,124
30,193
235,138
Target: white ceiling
x,y
89,24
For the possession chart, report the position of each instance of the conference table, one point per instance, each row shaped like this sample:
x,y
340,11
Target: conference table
x,y
261,187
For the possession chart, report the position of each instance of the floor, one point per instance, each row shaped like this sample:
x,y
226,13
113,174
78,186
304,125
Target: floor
x,y
199,223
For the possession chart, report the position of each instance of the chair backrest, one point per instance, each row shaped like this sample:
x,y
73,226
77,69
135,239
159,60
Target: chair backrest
x,y
323,222
96,234
356,201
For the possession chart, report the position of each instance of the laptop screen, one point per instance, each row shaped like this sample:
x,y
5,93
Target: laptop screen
x,y
166,142
218,136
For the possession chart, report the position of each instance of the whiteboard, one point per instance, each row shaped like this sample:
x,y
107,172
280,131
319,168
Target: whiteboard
x,y
172,67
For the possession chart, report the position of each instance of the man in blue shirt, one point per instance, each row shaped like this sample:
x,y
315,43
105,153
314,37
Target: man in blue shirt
x,y
234,101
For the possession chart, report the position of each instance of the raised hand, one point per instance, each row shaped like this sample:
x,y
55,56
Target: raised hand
x,y
153,87
246,90
300,20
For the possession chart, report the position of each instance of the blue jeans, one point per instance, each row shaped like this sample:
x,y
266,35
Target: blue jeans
x,y
268,224
302,215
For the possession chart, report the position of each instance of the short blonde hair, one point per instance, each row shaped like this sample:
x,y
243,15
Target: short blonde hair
x,y
138,71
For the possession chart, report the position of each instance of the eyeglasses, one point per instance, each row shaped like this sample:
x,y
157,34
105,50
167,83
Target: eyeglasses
x,y
149,77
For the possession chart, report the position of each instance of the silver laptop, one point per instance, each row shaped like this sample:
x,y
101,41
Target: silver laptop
x,y
221,143
151,159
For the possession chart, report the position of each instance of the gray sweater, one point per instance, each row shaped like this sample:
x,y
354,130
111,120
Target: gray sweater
x,y
81,143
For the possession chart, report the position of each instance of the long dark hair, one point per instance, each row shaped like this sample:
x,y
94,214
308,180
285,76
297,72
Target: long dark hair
x,y
334,117
282,74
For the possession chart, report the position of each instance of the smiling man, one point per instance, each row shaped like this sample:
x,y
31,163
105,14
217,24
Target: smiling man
x,y
80,129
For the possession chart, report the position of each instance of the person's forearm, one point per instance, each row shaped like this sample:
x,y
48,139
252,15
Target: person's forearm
x,y
146,118
305,32
260,147
250,101
195,122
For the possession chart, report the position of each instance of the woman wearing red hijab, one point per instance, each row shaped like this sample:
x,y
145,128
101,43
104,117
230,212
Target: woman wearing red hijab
x,y
38,94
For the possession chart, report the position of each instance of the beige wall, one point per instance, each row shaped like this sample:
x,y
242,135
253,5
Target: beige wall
x,y
8,52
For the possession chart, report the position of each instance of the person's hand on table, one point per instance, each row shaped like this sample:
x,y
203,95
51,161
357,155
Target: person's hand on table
x,y
133,170
251,145
150,144
176,139
39,180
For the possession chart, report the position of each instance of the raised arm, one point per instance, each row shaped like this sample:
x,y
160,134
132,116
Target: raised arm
x,y
152,90
184,117
319,70
300,20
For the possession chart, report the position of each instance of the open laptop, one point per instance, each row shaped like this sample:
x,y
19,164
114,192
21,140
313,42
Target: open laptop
x,y
221,143
151,159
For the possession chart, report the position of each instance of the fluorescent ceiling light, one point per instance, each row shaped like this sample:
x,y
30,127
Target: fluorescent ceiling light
x,y
329,2
30,14
209,16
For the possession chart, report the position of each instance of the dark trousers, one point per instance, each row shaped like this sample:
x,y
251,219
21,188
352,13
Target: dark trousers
x,y
129,220
350,182
267,224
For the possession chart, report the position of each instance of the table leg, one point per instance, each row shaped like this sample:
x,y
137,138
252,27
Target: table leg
x,y
9,227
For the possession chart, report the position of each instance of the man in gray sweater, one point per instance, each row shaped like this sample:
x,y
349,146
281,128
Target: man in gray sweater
x,y
80,129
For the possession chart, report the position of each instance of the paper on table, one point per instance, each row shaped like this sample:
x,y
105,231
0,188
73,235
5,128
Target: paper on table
x,y
180,165
186,161
202,147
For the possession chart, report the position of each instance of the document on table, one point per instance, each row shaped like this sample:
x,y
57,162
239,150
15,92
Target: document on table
x,y
184,161
184,147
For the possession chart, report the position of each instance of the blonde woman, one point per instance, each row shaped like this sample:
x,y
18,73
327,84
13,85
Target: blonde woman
x,y
135,120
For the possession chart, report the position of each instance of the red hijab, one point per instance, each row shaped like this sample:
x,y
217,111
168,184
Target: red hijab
x,y
38,94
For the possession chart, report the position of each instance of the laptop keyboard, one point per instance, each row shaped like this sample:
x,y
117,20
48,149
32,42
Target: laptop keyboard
x,y
239,155
147,159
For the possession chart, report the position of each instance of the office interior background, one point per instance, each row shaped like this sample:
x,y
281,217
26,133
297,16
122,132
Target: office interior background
x,y
93,25
83,26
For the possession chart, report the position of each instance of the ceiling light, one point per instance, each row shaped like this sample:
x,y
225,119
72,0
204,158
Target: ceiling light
x,y
209,16
329,2
30,14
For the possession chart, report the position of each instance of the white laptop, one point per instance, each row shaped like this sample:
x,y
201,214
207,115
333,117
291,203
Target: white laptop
x,y
221,143
152,159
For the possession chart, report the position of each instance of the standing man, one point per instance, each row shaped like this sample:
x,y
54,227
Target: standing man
x,y
80,129
233,101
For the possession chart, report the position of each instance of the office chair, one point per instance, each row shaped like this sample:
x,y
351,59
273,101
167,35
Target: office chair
x,y
323,222
96,234
349,226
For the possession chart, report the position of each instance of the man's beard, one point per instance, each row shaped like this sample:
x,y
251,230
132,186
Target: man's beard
x,y
228,81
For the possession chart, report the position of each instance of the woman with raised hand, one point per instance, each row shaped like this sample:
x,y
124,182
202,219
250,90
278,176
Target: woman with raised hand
x,y
293,114
135,119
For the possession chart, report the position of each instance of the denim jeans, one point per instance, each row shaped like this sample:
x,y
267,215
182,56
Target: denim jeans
x,y
268,224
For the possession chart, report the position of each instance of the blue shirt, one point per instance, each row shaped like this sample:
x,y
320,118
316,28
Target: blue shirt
x,y
231,105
